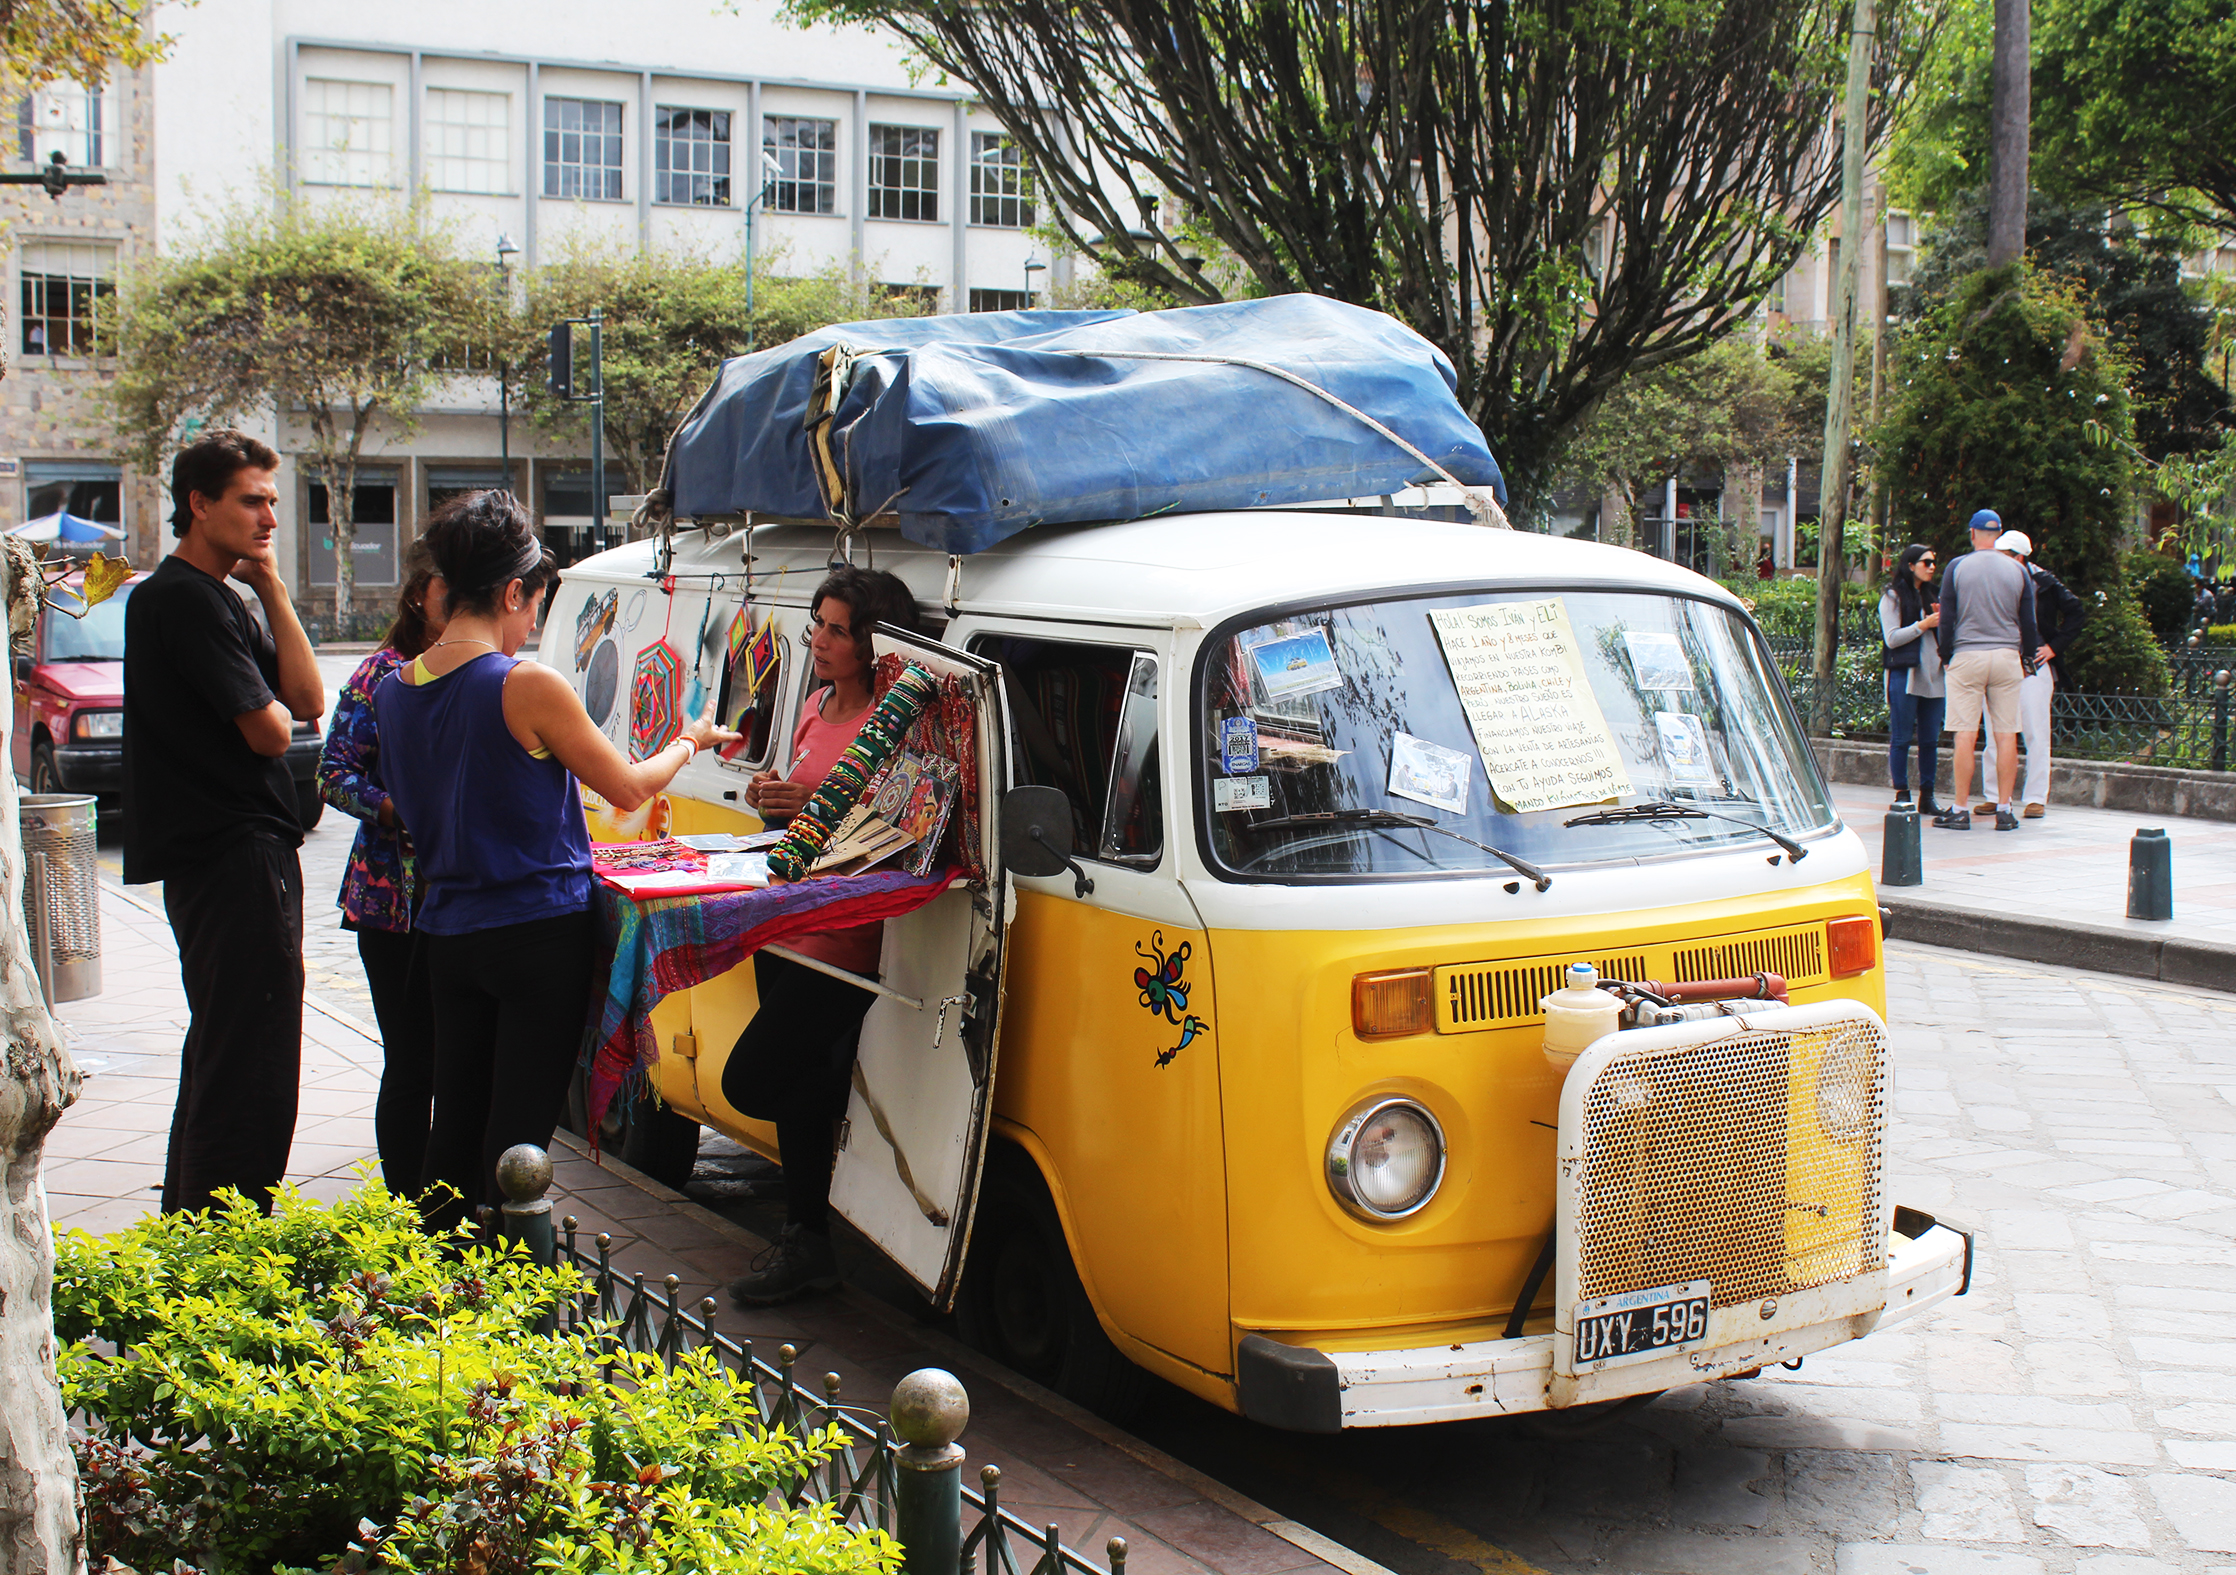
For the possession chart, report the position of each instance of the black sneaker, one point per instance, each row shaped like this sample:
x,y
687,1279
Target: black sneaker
x,y
800,1261
1953,819
1901,797
2006,821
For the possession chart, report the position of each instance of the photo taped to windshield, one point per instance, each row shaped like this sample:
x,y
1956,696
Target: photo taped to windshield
x,y
1388,738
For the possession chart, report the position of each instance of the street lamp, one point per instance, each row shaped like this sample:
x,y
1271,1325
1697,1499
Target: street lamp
x,y
1031,268
506,252
770,170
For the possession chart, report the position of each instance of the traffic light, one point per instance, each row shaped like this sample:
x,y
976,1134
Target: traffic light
x,y
563,360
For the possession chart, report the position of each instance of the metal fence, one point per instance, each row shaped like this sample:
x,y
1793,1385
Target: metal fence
x,y
911,1488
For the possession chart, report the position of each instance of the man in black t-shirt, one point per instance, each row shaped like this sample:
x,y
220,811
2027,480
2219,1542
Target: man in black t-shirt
x,y
210,700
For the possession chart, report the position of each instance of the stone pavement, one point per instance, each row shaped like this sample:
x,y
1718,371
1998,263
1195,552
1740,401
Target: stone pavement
x,y
2056,890
1059,1465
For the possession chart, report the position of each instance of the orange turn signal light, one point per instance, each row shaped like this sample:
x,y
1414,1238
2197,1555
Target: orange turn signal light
x,y
1853,945
1391,1005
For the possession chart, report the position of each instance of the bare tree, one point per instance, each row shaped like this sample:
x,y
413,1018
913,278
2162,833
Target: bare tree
x,y
1554,193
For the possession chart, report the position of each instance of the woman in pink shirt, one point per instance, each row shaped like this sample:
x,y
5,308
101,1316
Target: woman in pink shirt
x,y
795,1060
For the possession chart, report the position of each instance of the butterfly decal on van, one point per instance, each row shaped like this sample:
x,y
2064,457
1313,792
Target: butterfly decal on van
x,y
1164,991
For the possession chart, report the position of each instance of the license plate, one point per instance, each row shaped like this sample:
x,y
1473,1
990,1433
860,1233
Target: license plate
x,y
1639,1324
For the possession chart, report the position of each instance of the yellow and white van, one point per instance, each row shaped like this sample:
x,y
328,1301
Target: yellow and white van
x,y
1254,1095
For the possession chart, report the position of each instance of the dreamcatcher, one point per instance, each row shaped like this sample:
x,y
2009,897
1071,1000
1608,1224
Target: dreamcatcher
x,y
656,693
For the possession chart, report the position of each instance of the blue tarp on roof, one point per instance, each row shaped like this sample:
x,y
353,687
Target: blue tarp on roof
x,y
972,428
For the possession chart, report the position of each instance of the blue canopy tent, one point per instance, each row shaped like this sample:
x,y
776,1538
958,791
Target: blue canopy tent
x,y
971,428
67,531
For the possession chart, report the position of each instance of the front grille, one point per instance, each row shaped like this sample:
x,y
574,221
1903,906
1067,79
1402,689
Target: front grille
x,y
1713,1162
1798,956
1474,996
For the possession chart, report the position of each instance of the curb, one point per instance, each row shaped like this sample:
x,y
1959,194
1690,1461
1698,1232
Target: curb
x,y
963,1359
2134,954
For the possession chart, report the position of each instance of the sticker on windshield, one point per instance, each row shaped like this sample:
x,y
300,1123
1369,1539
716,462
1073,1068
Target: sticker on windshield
x,y
1429,773
1684,747
1519,673
1238,746
1658,661
1300,664
1232,793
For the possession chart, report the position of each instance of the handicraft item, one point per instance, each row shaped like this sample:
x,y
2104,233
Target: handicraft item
x,y
912,692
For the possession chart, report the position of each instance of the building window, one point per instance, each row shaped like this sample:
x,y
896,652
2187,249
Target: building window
x,y
904,172
1001,300
348,133
469,144
66,118
582,149
61,282
373,549
91,492
1776,300
691,157
806,158
1902,249
1001,187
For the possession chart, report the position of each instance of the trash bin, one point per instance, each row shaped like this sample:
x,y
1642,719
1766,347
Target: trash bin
x,y
60,825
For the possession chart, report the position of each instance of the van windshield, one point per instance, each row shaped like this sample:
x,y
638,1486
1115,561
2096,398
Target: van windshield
x,y
1501,717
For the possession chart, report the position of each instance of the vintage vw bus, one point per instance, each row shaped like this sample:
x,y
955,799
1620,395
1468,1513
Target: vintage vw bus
x,y
1253,1094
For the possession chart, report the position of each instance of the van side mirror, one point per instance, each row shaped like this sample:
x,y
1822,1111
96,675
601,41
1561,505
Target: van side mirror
x,y
1036,835
23,668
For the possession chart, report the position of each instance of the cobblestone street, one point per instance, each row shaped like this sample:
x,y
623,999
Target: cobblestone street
x,y
2077,1412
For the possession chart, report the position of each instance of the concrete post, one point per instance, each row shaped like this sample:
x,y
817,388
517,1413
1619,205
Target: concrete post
x,y
930,1411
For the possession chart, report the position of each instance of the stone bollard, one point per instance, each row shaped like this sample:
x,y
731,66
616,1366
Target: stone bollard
x,y
1904,860
2150,875
2220,720
930,1411
524,1176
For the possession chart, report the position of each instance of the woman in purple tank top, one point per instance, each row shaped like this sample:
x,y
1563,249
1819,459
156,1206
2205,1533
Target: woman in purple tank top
x,y
481,753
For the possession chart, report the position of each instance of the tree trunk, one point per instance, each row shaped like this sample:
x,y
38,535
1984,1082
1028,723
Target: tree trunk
x,y
337,467
2008,117
1832,499
1743,513
38,1476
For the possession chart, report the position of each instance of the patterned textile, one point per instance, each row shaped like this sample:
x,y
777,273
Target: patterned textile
x,y
653,949
949,729
849,778
655,700
380,884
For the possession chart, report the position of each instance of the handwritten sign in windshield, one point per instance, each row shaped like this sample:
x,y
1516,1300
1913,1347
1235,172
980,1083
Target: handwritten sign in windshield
x,y
1520,674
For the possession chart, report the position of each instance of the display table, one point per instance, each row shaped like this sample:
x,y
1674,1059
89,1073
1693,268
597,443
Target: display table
x,y
652,949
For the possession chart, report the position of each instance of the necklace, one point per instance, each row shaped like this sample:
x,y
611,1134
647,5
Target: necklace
x,y
464,639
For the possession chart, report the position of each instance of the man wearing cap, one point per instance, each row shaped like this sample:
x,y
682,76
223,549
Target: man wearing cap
x,y
2059,614
1988,643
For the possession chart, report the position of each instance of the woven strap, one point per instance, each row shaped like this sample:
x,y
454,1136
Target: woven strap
x,y
882,731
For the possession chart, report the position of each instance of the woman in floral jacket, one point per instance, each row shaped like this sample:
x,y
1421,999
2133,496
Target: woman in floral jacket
x,y
380,893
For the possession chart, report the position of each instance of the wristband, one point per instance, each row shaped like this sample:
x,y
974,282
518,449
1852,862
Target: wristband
x,y
694,748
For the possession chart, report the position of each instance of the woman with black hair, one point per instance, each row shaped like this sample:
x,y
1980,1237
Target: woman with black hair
x,y
1916,692
794,1061
481,753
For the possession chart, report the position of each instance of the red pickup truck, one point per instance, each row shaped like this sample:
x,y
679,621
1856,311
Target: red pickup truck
x,y
69,721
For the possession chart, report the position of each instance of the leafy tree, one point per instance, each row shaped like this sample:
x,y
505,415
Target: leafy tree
x,y
329,315
40,40
2131,281
2134,105
671,320
2008,397
1553,193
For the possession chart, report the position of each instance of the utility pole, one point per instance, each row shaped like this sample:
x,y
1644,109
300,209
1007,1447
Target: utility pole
x,y
1832,494
562,359
2008,115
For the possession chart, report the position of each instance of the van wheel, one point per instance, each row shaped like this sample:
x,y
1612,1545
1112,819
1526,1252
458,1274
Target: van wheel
x,y
659,1142
1021,1301
46,776
309,807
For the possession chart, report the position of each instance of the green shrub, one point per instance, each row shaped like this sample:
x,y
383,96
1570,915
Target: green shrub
x,y
2163,586
2115,653
2221,634
259,1391
1787,608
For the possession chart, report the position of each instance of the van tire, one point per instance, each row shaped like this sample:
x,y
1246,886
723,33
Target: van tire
x,y
309,807
659,1142
46,776
1021,1301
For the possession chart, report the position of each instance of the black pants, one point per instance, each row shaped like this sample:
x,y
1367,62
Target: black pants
x,y
238,919
509,1005
792,1065
403,1005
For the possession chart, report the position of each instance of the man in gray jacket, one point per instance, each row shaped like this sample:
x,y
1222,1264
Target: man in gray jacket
x,y
1988,640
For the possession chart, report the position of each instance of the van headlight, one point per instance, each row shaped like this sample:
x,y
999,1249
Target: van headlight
x,y
1844,1084
1386,1159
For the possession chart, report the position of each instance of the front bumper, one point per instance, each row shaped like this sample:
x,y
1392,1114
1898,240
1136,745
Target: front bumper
x,y
90,768
1325,1391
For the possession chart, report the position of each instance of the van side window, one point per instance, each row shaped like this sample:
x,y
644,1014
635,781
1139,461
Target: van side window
x,y
1086,724
757,719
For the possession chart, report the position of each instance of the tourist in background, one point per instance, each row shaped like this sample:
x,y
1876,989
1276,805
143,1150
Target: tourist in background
x,y
2058,616
1916,699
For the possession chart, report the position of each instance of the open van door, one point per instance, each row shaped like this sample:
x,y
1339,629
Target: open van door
x,y
914,1140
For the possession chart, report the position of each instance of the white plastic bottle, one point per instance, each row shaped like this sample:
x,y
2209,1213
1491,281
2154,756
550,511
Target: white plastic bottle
x,y
1576,1015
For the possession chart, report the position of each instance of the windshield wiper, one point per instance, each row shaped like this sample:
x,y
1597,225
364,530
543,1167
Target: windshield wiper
x,y
1391,817
1662,809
